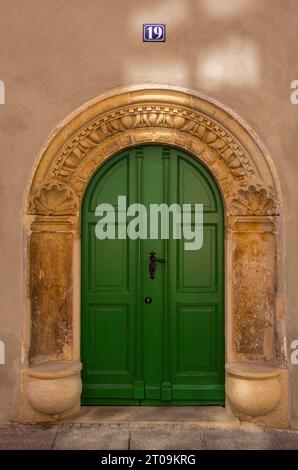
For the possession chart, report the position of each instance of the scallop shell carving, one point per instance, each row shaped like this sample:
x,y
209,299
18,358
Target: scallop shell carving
x,y
253,202
54,199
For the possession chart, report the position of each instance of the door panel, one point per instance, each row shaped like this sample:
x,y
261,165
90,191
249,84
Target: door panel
x,y
172,350
195,353
111,258
109,325
193,188
196,271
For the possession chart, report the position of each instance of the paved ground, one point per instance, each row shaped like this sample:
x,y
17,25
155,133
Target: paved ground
x,y
147,428
143,436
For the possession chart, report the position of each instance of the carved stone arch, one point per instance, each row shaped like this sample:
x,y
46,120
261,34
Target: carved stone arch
x,y
146,116
246,176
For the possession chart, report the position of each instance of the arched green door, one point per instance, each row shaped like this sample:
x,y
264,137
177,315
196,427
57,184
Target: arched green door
x,y
169,351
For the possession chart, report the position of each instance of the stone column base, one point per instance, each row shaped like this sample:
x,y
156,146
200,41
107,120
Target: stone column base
x,y
257,393
53,390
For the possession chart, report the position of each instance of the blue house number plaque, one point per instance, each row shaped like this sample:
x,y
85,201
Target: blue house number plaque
x,y
154,32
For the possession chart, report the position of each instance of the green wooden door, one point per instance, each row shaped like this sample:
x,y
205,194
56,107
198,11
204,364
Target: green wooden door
x,y
170,351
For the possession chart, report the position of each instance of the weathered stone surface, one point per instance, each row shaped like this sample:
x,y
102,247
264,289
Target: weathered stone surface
x,y
51,294
254,292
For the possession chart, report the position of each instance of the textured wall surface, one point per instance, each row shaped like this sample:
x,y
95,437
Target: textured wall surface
x,y
57,54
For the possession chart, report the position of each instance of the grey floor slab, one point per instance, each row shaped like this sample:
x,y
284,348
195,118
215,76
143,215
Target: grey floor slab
x,y
241,439
80,436
147,436
288,439
27,437
161,438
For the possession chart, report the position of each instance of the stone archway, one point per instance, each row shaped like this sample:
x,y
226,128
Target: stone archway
x,y
104,126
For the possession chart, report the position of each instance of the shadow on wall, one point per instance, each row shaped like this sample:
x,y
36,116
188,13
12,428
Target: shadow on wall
x,y
204,57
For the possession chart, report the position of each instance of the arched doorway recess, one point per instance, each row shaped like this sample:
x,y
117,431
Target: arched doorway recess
x,y
113,122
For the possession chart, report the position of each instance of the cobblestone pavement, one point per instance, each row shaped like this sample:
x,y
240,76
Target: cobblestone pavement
x,y
143,436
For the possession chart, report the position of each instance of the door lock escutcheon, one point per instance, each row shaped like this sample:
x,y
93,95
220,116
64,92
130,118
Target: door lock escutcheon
x,y
153,263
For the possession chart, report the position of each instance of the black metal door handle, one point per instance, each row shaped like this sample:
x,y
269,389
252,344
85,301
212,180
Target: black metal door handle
x,y
153,263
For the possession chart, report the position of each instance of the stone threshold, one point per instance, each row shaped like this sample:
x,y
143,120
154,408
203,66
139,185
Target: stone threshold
x,y
195,415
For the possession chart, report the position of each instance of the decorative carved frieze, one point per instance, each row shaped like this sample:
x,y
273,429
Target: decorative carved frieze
x,y
152,116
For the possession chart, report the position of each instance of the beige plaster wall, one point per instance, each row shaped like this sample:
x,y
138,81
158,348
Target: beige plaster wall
x,y
57,54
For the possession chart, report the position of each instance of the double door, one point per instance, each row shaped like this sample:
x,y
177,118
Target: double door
x,y
152,311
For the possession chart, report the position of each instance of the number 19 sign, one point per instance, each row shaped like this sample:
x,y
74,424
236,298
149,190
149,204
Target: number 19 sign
x,y
154,32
